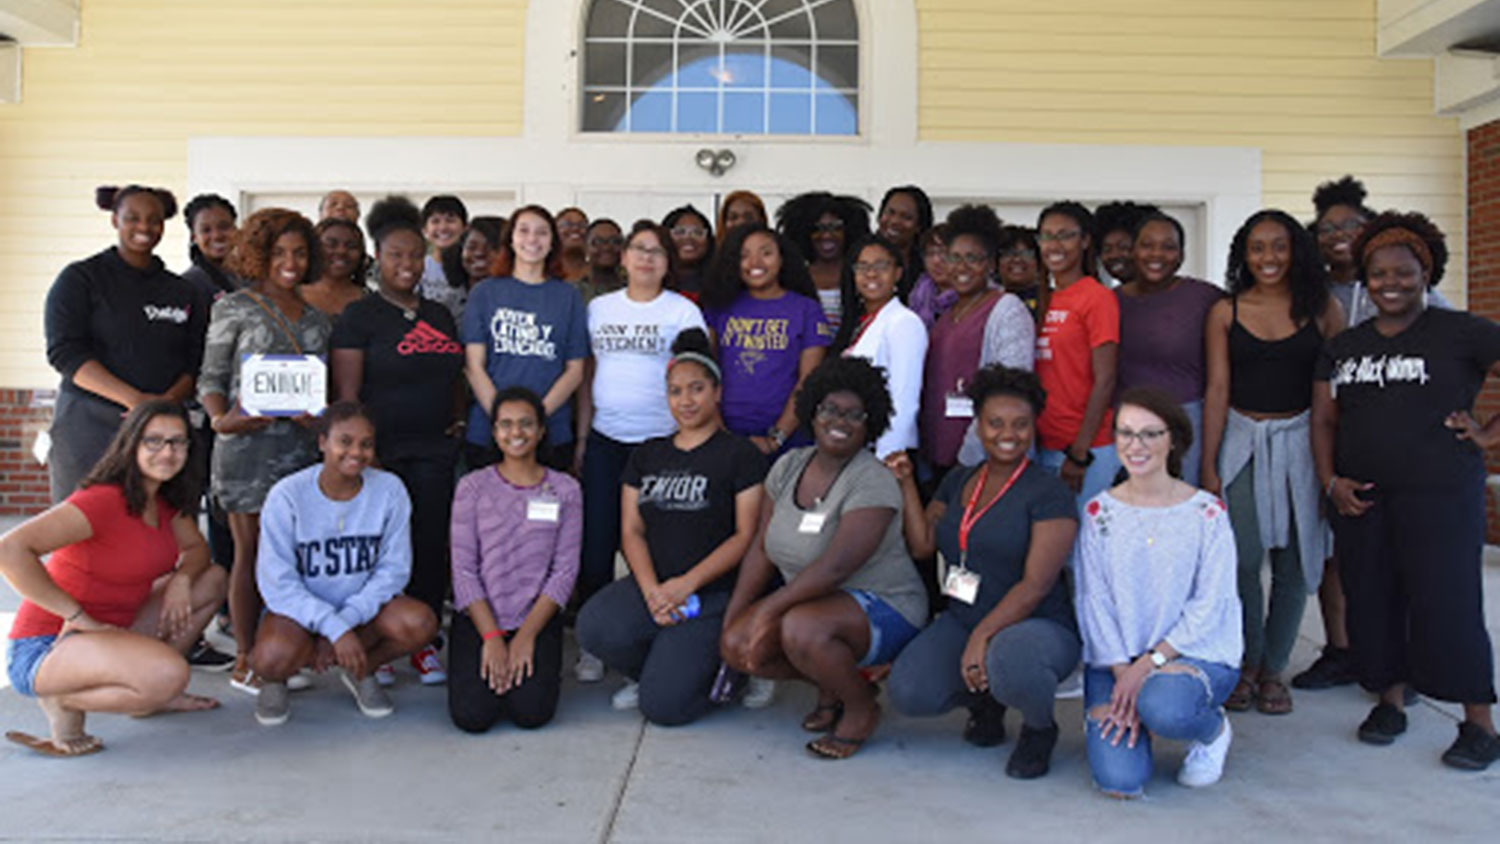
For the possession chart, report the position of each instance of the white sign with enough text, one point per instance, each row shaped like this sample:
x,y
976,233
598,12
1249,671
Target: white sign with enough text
x,y
283,385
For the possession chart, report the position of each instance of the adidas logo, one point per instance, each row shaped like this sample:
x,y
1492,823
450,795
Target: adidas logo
x,y
423,339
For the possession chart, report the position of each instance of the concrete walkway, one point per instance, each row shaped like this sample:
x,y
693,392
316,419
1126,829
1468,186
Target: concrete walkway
x,y
599,775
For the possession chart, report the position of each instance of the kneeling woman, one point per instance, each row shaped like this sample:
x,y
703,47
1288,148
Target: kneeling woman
x,y
517,527
831,526
335,553
1006,528
128,590
1158,606
687,507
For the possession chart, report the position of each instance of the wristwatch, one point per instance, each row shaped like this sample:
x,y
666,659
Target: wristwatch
x,y
1158,659
776,436
1084,462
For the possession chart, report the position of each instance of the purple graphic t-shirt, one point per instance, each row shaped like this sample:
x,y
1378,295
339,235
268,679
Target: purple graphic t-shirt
x,y
760,344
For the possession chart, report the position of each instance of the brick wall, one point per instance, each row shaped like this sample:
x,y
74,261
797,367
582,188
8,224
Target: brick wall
x,y
1484,264
23,481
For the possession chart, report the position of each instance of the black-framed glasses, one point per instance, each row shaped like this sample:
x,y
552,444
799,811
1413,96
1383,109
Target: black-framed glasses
x,y
1350,226
616,241
1147,437
867,267
973,259
1058,237
829,412
154,443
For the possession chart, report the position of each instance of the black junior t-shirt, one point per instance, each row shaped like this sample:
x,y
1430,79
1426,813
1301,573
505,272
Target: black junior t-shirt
x,y
999,541
1393,394
687,498
411,370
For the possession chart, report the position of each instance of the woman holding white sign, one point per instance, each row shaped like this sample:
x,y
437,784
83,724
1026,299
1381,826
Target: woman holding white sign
x,y
278,250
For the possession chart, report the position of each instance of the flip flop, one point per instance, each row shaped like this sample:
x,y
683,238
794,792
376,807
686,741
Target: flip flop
x,y
834,747
47,748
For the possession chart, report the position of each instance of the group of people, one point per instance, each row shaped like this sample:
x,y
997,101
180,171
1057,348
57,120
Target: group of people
x,y
847,446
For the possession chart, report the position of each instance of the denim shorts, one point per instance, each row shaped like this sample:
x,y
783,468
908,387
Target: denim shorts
x,y
23,657
889,630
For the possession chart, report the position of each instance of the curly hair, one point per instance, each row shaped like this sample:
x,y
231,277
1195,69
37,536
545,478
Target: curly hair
x,y
797,217
851,304
848,375
393,213
723,283
505,256
121,466
342,411
1085,222
670,221
1347,191
1120,217
109,198
1000,380
1164,407
1418,224
977,221
251,257
1305,276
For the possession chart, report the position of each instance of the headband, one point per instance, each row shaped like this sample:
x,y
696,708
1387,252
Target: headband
x,y
701,359
1399,237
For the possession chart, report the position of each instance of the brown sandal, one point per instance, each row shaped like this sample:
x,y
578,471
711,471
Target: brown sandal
x,y
824,717
1243,696
1273,698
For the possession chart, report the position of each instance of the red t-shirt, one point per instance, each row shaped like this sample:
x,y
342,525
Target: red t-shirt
x,y
1080,317
111,572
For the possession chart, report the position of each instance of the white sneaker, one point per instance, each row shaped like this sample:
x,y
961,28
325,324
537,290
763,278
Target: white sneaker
x,y
759,693
385,675
219,638
300,681
1071,686
1205,762
589,669
429,668
628,697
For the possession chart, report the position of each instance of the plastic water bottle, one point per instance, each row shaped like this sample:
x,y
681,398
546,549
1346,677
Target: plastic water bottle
x,y
690,607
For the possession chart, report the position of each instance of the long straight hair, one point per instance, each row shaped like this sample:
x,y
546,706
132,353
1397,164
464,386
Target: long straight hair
x,y
121,464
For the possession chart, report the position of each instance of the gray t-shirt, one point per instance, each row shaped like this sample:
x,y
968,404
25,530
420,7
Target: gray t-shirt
x,y
865,482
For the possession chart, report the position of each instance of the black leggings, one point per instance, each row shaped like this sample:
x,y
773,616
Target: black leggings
x,y
474,706
1412,571
429,483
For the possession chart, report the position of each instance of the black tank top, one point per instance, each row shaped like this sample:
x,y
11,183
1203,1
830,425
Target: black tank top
x,y
1271,376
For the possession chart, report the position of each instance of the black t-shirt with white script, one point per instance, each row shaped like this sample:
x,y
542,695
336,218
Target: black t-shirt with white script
x,y
1393,394
687,498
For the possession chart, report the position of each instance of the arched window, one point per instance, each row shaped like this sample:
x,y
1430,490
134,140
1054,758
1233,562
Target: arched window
x,y
758,67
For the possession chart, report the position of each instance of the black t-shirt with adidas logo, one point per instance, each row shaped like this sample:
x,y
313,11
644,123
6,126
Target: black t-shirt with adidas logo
x,y
411,370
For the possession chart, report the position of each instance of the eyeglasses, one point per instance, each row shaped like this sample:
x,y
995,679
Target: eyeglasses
x,y
616,241
973,259
648,251
868,267
689,231
1351,225
854,416
571,225
1057,237
155,443
527,424
1146,437
830,227
1019,254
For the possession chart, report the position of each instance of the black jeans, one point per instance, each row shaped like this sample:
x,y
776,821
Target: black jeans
x,y
474,706
429,482
675,665
603,465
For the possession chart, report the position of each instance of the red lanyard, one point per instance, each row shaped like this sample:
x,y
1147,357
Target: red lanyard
x,y
969,517
864,323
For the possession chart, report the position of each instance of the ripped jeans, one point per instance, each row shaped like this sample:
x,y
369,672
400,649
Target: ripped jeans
x,y
1171,704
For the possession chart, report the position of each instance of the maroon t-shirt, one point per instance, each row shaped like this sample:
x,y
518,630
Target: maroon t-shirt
x,y
1161,339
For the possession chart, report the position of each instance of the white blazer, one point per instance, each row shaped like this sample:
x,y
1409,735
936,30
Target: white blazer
x,y
896,340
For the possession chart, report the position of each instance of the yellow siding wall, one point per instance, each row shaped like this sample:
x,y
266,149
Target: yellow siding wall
x,y
1296,78
149,74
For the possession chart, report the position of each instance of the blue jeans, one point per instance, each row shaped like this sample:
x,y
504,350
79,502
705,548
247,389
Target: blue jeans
x,y
1193,459
1178,706
1099,476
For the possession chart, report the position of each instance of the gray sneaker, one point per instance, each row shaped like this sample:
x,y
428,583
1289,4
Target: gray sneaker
x,y
368,696
271,705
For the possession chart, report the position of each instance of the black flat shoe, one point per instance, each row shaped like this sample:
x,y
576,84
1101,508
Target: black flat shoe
x,y
986,725
1382,725
1473,750
1334,668
1032,757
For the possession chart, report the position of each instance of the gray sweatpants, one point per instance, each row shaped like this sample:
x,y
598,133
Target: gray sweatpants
x,y
1025,662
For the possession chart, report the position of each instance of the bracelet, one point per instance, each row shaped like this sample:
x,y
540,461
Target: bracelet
x,y
776,436
1328,490
490,635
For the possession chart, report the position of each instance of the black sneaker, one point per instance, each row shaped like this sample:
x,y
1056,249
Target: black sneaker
x,y
1382,725
986,726
1032,757
1473,750
1334,668
205,658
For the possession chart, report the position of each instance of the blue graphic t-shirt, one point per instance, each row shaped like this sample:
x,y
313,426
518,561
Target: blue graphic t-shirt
x,y
529,331
760,344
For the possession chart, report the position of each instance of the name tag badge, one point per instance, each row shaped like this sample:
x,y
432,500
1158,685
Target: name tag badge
x,y
542,510
812,522
961,585
960,407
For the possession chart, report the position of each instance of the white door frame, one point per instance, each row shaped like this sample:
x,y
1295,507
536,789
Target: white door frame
x,y
551,161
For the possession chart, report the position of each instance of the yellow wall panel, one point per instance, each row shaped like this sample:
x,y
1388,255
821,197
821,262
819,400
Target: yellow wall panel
x,y
149,74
